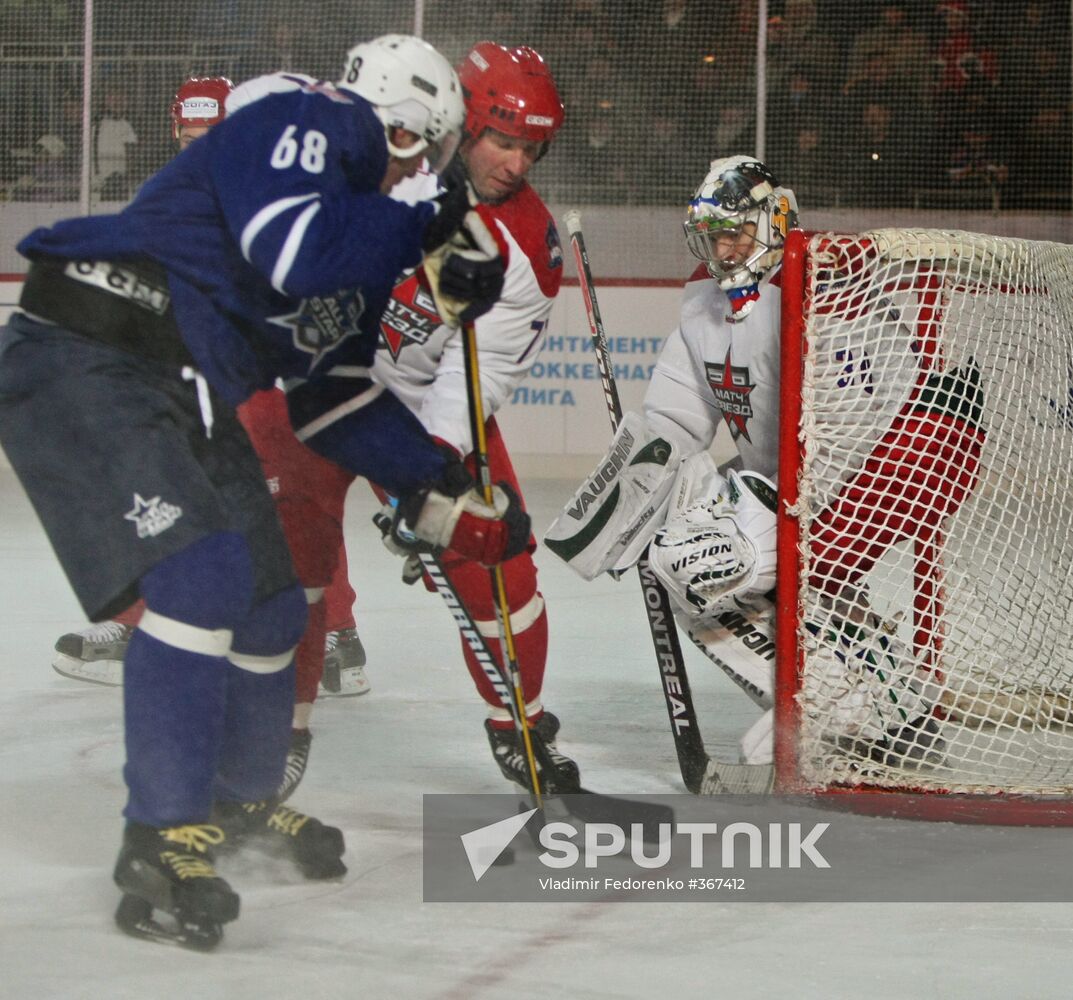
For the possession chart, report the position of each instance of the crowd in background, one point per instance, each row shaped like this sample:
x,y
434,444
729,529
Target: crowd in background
x,y
901,103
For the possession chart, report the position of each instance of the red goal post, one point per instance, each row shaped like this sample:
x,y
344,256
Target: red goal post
x,y
925,588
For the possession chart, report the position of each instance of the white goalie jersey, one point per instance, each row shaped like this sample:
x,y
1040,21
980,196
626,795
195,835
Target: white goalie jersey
x,y
712,370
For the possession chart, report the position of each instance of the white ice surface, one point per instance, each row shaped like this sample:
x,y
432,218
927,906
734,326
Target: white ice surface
x,y
373,757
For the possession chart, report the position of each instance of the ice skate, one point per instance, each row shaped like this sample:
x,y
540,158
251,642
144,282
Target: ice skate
x,y
297,761
344,662
915,746
171,871
316,848
95,654
558,774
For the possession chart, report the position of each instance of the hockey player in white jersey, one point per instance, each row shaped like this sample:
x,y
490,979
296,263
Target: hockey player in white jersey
x,y
711,537
513,111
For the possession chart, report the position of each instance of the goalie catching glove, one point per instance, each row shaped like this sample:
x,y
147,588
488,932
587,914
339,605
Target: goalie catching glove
x,y
720,546
451,514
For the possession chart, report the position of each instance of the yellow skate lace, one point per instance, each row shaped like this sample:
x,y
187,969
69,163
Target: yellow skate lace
x,y
287,821
194,837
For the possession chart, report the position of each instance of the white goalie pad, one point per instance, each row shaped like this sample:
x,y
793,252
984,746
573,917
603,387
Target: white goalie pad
x,y
867,682
620,505
721,546
740,641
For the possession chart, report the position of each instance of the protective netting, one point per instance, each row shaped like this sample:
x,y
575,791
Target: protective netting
x,y
936,545
955,104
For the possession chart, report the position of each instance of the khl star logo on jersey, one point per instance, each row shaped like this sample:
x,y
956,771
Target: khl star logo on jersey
x,y
731,386
411,316
321,324
152,516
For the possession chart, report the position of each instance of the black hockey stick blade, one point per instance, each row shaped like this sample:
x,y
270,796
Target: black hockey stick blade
x,y
585,806
595,807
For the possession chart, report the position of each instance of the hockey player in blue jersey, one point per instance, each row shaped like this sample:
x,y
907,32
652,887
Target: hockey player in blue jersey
x,y
267,249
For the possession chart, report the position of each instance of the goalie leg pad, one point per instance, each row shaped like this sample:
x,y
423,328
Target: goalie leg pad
x,y
867,675
758,743
741,642
620,505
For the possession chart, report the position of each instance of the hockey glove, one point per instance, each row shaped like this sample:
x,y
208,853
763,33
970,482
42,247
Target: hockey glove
x,y
451,514
466,274
452,205
400,542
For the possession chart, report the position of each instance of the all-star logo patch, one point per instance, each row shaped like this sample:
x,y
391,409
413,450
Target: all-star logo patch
x,y
410,317
321,324
152,516
731,386
555,248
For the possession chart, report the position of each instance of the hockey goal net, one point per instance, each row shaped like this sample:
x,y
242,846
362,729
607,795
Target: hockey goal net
x,y
926,530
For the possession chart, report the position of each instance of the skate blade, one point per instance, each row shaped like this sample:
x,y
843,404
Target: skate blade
x,y
349,683
134,916
105,672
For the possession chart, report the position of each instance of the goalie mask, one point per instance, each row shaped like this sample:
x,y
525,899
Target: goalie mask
x,y
411,86
737,223
512,91
199,102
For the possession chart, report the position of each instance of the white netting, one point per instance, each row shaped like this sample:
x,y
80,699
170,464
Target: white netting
x,y
936,537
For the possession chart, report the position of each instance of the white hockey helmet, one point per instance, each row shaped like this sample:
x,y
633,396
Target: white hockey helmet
x,y
739,191
411,86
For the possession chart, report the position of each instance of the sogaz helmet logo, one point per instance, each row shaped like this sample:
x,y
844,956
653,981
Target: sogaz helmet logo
x,y
201,107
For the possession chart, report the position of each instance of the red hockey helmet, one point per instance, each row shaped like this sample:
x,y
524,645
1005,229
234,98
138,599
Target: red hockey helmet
x,y
200,101
510,90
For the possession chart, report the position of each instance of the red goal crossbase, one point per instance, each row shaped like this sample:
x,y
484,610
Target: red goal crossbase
x,y
925,586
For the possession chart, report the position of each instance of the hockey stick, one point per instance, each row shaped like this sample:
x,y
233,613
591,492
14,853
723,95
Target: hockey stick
x,y
701,774
499,589
585,804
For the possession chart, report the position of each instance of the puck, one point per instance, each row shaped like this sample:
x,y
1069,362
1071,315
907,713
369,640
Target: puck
x,y
506,857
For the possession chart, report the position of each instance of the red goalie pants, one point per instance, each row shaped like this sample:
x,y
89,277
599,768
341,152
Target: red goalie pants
x,y
918,474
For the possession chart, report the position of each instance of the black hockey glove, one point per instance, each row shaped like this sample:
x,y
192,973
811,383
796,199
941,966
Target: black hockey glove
x,y
452,204
466,274
473,280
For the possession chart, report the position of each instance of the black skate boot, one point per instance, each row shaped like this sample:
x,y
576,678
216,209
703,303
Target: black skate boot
x,y
918,745
316,848
558,774
343,675
297,761
171,870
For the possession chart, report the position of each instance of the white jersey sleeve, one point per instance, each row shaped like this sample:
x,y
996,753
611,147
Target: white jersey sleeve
x,y
421,359
678,404
510,336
